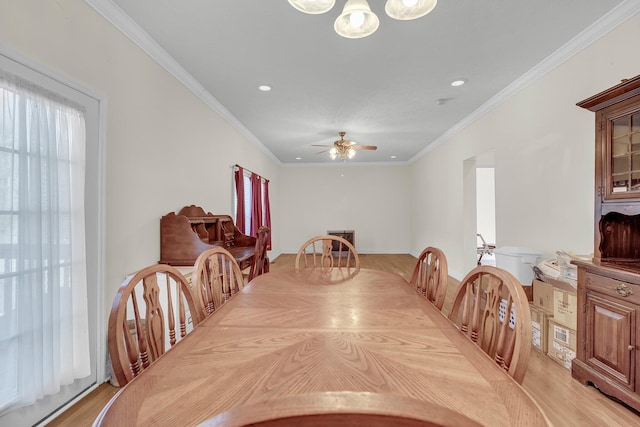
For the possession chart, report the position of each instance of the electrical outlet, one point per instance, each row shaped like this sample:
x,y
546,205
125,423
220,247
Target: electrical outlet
x,y
512,317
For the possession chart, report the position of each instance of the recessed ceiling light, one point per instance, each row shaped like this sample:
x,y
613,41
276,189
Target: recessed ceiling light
x,y
298,158
393,157
458,82
264,88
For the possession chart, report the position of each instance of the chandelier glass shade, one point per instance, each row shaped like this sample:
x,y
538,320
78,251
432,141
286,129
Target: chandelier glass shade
x,y
357,20
405,10
313,7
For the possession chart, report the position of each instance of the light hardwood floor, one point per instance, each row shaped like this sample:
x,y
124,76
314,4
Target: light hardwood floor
x,y
565,401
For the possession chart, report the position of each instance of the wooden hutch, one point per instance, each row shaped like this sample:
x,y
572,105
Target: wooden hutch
x,y
608,333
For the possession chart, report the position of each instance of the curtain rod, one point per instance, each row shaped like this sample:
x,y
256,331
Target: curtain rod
x,y
249,170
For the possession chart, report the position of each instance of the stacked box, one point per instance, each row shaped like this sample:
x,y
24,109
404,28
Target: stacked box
x,y
543,295
560,298
541,312
562,344
565,305
539,328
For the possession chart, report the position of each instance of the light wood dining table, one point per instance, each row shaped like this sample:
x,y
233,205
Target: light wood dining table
x,y
289,333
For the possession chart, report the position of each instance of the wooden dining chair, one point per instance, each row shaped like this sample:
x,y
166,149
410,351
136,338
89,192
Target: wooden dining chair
x,y
430,275
148,316
216,277
260,260
491,308
327,252
343,408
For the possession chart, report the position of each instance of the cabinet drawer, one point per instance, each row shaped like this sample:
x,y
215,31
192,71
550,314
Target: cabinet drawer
x,y
620,290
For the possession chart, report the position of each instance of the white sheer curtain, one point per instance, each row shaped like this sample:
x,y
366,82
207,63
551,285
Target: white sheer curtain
x,y
44,337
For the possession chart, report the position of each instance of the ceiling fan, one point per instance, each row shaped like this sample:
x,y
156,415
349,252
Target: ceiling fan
x,y
344,148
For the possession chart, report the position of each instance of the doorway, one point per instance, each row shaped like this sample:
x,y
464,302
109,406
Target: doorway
x,y
485,215
479,210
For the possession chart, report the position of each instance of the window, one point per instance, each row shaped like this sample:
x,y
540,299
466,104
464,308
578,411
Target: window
x,y
43,321
246,184
49,195
251,202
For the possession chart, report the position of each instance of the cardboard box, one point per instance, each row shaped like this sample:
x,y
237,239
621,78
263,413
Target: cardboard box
x,y
540,328
543,295
562,344
565,308
565,285
558,297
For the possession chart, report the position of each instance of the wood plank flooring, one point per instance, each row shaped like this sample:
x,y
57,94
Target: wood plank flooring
x,y
565,401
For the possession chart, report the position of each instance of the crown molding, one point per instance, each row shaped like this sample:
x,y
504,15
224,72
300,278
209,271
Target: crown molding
x,y
598,29
116,16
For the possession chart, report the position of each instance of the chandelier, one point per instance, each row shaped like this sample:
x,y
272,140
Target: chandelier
x,y
357,20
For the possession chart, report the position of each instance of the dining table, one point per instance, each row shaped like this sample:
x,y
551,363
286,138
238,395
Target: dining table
x,y
291,333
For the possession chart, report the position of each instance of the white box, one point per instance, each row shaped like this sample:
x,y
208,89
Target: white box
x,y
518,261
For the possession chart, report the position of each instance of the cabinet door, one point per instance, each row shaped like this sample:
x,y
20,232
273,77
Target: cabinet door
x,y
620,133
610,338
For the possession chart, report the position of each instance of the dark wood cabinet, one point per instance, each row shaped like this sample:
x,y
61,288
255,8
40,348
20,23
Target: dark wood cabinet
x,y
607,333
609,338
609,286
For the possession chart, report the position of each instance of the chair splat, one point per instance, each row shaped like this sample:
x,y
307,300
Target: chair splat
x,y
492,309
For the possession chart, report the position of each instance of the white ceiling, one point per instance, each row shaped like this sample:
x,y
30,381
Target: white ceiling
x,y
382,90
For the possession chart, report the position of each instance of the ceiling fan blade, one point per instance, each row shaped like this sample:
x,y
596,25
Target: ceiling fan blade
x,y
323,151
320,145
364,147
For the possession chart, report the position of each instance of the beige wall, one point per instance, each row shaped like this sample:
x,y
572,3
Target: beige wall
x,y
165,147
544,159
372,200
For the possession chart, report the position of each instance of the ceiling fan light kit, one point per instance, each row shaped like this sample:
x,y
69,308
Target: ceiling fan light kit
x,y
357,20
342,152
344,149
